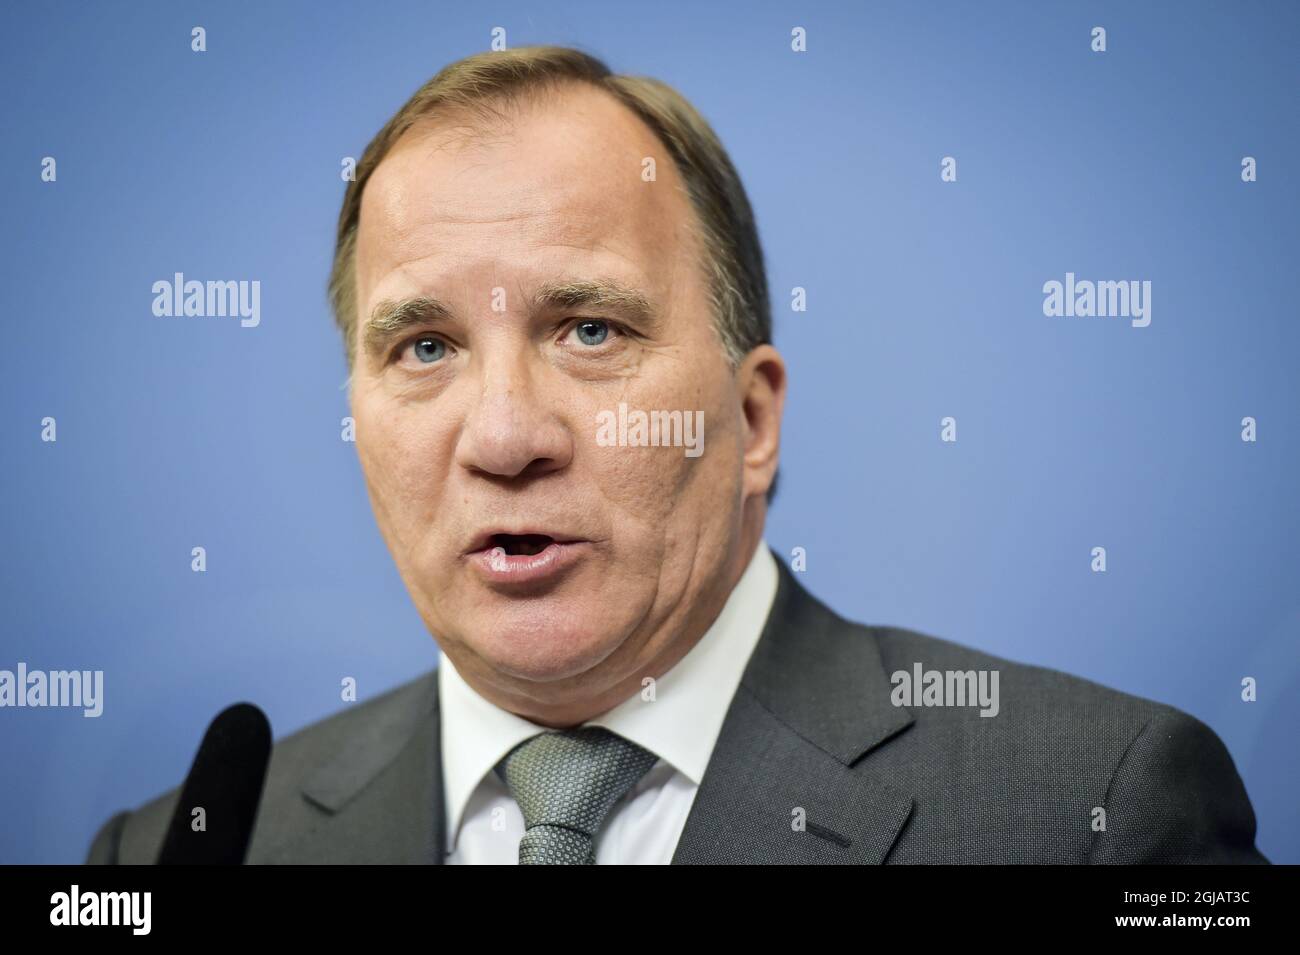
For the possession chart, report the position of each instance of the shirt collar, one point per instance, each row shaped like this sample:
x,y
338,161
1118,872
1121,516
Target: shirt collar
x,y
681,726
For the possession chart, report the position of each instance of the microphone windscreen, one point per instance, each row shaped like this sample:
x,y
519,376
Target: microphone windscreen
x,y
213,821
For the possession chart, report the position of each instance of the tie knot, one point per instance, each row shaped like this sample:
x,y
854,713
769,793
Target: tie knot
x,y
565,783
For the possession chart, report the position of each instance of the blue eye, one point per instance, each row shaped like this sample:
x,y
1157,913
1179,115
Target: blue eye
x,y
592,333
429,350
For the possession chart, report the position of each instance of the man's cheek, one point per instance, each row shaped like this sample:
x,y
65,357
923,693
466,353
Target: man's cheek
x,y
400,492
636,482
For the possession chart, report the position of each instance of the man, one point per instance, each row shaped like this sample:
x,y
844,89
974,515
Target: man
x,y
551,291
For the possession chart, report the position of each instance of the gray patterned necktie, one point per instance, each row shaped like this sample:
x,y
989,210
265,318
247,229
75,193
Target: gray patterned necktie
x,y
565,783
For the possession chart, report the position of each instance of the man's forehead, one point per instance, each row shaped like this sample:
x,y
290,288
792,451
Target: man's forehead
x,y
568,167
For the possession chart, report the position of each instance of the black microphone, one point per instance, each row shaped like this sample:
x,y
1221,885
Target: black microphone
x,y
226,783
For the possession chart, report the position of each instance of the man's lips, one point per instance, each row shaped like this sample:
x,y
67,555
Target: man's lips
x,y
513,559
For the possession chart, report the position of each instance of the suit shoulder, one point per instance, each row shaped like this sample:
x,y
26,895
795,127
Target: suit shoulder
x,y
1029,688
1058,749
135,836
321,740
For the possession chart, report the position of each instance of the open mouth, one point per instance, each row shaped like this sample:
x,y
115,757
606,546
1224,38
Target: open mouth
x,y
527,559
520,545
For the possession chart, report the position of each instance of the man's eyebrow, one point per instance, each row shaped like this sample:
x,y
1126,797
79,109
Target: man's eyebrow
x,y
389,319
601,295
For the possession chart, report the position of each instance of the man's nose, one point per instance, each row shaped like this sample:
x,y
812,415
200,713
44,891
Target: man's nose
x,y
512,429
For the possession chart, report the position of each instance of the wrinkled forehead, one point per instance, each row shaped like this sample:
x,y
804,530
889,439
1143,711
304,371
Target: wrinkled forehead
x,y
576,169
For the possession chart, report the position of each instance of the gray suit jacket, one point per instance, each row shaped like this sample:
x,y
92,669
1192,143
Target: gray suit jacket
x,y
811,735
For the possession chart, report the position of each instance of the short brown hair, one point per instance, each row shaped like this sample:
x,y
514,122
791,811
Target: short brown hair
x,y
728,234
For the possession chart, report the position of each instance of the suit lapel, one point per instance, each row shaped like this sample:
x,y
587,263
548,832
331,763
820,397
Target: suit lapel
x,y
381,792
813,701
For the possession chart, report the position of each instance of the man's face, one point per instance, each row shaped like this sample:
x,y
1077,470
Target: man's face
x,y
549,565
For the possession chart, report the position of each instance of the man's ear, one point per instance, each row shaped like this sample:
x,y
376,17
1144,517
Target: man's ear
x,y
761,380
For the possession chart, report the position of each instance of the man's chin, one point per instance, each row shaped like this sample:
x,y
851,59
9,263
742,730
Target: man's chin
x,y
545,640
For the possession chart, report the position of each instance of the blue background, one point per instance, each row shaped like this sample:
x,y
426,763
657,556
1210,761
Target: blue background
x,y
924,301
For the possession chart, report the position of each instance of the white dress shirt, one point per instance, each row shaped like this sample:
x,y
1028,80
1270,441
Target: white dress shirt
x,y
681,726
